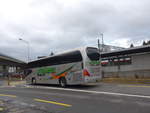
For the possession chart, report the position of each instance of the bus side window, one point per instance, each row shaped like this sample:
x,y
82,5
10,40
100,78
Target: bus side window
x,y
40,74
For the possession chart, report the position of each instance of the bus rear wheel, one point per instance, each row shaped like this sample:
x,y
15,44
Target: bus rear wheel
x,y
33,81
62,82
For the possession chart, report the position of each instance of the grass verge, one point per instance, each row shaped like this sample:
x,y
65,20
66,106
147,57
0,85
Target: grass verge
x,y
127,80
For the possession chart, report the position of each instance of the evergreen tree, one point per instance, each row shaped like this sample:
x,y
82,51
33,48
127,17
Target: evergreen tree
x,y
144,43
148,42
51,54
131,45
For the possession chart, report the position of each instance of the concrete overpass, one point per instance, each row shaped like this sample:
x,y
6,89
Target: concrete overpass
x,y
8,63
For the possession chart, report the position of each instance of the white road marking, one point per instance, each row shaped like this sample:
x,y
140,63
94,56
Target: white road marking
x,y
95,92
7,86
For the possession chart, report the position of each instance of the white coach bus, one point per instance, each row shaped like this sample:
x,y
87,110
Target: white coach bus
x,y
78,66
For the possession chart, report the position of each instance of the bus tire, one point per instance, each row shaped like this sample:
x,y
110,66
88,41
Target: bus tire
x,y
33,81
62,82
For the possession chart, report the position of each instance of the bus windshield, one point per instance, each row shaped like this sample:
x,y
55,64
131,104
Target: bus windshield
x,y
93,53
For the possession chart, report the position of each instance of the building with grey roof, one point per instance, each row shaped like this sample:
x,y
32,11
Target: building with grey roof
x,y
10,64
130,62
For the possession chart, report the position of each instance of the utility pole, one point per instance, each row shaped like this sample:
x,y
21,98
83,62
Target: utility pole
x,y
101,50
102,41
99,46
28,47
10,71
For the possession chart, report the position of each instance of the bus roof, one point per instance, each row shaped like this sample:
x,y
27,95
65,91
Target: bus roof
x,y
66,51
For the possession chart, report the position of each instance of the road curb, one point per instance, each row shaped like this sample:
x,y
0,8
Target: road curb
x,y
13,83
126,80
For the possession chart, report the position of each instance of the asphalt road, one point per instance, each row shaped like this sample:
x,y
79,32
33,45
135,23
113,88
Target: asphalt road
x,y
1,82
99,98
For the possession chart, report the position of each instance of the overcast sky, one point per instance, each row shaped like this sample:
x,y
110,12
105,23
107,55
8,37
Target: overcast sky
x,y
57,25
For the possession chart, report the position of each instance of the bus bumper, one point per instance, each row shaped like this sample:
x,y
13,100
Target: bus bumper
x,y
92,79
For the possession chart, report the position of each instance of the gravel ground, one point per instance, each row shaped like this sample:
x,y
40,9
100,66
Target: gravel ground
x,y
11,106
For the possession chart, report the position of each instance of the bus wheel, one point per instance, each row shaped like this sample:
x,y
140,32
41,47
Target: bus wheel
x,y
62,82
33,81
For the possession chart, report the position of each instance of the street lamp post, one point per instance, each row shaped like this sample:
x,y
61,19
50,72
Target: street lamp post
x,y
28,45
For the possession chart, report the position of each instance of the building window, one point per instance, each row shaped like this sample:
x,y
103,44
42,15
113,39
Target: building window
x,y
116,61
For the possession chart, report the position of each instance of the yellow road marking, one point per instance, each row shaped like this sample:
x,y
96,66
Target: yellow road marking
x,y
13,96
52,102
136,86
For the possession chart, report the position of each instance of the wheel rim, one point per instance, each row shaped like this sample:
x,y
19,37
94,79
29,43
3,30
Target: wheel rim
x,y
62,84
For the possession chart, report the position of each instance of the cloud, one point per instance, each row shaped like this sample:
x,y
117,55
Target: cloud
x,y
57,25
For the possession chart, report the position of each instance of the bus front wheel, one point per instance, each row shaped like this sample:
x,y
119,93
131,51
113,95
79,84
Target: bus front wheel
x,y
62,82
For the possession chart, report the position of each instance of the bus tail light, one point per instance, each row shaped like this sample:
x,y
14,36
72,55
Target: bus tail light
x,y
86,73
